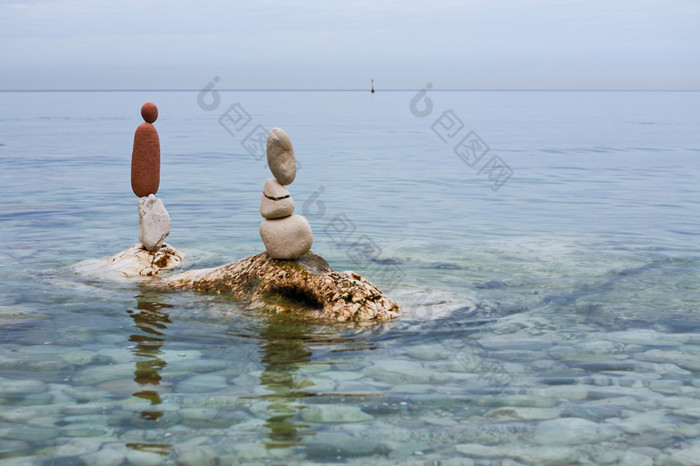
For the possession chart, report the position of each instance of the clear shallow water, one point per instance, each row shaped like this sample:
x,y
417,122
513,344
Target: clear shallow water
x,y
552,320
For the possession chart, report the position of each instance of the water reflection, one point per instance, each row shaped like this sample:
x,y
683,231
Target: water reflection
x,y
284,349
152,321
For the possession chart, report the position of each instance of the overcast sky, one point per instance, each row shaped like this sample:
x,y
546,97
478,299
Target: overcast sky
x,y
485,44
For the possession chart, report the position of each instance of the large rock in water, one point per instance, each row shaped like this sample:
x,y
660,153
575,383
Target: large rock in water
x,y
309,288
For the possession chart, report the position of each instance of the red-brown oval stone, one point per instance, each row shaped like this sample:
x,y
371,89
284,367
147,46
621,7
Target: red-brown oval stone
x,y
149,112
145,161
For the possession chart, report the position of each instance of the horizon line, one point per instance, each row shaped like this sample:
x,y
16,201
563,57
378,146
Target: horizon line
x,y
357,90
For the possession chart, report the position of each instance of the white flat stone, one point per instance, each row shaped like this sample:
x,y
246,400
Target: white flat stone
x,y
286,238
573,431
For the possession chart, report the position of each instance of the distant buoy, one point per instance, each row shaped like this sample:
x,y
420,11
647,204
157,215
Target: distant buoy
x,y
372,91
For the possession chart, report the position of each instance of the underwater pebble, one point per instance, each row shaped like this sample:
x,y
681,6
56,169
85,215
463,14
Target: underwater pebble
x,y
547,456
23,414
353,387
685,361
35,363
196,456
524,414
572,431
122,387
630,458
646,337
23,387
330,445
86,393
687,456
509,342
412,388
439,420
111,338
47,422
667,387
251,451
111,455
450,461
334,413
85,408
342,375
115,355
428,352
186,366
77,447
202,383
399,371
649,420
313,368
259,408
480,451
321,385
179,355
29,433
144,458
251,379
99,374
251,425
16,447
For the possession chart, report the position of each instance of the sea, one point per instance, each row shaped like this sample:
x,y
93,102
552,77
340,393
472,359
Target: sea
x,y
544,247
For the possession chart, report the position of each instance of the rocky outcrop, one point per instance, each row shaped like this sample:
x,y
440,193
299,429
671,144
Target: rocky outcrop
x,y
132,262
307,288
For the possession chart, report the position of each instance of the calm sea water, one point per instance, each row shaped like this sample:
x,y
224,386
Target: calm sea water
x,y
551,284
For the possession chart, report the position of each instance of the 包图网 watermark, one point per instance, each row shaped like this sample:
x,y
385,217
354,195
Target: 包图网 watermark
x,y
236,120
360,249
469,147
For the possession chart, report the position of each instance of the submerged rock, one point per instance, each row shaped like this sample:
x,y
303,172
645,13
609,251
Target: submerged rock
x,y
307,287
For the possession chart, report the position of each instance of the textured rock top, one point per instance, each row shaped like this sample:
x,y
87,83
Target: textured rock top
x,y
308,288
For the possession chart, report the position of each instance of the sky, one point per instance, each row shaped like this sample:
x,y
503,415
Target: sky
x,y
328,44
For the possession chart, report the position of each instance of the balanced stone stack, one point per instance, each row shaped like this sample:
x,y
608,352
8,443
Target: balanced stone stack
x,y
154,221
285,235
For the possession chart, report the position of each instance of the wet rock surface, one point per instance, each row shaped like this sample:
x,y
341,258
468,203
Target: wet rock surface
x,y
308,287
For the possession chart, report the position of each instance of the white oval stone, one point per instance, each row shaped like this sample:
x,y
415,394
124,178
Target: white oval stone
x,y
286,238
280,156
